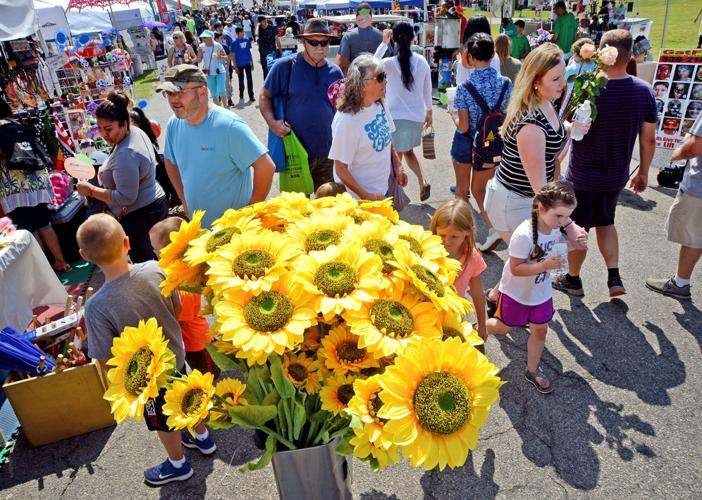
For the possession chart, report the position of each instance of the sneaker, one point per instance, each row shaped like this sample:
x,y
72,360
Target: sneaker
x,y
493,239
669,288
616,287
206,446
252,99
165,473
571,286
230,103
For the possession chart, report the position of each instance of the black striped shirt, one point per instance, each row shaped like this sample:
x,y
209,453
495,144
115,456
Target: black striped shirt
x,y
510,172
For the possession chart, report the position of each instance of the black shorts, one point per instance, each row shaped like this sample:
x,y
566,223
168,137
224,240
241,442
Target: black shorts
x,y
202,361
595,209
153,413
31,219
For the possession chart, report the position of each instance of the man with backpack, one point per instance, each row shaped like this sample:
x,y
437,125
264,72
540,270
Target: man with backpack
x,y
480,105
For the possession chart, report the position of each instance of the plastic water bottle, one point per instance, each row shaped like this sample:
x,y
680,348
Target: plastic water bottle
x,y
582,115
561,249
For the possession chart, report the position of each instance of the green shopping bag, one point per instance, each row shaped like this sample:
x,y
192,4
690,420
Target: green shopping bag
x,y
296,177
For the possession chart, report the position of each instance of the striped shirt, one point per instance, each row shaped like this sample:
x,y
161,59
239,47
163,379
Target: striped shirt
x,y
510,172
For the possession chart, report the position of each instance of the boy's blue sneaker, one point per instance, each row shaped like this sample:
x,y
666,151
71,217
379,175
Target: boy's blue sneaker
x,y
165,473
206,446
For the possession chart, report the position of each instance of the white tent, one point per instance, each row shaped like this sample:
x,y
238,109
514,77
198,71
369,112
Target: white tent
x,y
52,19
18,19
95,20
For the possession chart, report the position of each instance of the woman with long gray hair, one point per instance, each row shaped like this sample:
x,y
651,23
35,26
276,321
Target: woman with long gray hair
x,y
362,132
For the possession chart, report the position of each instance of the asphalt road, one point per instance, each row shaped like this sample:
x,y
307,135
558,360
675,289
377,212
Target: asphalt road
x,y
623,420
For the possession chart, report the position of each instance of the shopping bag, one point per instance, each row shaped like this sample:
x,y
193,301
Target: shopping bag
x,y
276,149
296,177
399,198
428,143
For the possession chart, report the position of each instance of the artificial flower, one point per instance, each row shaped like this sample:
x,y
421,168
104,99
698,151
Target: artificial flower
x,y
302,371
317,232
452,326
365,404
421,242
188,403
204,246
341,352
336,393
377,457
179,240
228,390
375,236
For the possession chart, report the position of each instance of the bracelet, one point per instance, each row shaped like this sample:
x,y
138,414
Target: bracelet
x,y
571,221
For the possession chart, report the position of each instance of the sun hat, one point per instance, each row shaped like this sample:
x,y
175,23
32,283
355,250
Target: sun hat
x,y
206,34
315,27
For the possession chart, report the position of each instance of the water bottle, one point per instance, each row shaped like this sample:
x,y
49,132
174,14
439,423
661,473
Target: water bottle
x,y
561,249
582,115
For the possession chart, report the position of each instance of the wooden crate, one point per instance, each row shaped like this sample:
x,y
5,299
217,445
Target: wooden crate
x,y
59,406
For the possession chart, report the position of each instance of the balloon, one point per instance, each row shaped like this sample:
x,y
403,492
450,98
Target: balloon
x,y
61,47
156,128
142,103
61,38
83,40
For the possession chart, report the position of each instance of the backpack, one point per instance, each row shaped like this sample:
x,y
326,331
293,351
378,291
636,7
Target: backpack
x,y
20,148
487,143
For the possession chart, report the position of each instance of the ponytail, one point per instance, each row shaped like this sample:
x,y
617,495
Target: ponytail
x,y
403,34
537,252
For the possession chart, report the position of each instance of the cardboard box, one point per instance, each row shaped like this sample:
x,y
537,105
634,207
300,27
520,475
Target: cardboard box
x,y
61,405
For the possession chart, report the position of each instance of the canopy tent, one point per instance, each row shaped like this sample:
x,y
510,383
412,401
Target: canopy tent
x,y
18,20
173,4
95,19
52,19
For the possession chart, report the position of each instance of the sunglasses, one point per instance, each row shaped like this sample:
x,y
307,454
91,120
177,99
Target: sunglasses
x,y
317,43
380,77
171,94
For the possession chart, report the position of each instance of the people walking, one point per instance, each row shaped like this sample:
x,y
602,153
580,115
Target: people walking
x,y
268,43
363,38
180,52
509,66
243,63
212,57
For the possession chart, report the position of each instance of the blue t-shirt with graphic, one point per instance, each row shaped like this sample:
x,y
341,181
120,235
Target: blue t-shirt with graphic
x,y
241,48
214,159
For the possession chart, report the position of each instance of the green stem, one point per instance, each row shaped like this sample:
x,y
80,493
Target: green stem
x,y
280,438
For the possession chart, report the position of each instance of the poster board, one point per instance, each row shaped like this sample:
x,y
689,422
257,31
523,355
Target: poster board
x,y
677,87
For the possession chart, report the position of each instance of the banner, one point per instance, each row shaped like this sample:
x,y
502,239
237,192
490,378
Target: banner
x,y
677,87
163,11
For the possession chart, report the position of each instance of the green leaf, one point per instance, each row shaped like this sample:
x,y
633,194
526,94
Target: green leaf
x,y
321,416
593,113
265,458
285,388
285,419
271,398
345,447
223,362
572,78
252,416
299,418
602,81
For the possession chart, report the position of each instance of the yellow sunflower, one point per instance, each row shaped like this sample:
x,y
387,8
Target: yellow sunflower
x,y
251,262
375,236
343,203
269,322
244,219
339,278
230,391
435,397
188,403
380,209
179,240
142,363
452,326
302,370
377,457
427,282
180,275
319,231
365,404
336,393
421,242
204,246
342,354
387,324
310,341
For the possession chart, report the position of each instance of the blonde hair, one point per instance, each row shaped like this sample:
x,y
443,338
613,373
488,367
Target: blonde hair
x,y
178,35
351,98
101,238
524,99
161,231
503,45
329,189
455,213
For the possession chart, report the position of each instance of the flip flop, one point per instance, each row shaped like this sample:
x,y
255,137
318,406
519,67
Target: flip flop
x,y
425,193
544,387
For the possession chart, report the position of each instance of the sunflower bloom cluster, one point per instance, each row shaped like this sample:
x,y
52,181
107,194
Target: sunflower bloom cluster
x,y
345,323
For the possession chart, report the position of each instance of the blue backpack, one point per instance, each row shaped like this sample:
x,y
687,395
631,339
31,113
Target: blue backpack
x,y
487,143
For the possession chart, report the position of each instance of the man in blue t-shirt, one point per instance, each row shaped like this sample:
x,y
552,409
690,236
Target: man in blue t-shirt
x,y
213,159
243,63
301,81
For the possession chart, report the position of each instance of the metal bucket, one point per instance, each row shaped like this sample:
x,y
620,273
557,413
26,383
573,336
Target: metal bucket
x,y
317,473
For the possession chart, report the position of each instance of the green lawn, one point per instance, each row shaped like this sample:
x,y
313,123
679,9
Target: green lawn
x,y
145,85
681,32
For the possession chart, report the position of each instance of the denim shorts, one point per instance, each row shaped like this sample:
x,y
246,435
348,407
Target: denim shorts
x,y
217,85
462,148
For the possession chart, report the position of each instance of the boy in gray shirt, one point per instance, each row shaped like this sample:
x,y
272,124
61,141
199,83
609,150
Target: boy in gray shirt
x,y
132,293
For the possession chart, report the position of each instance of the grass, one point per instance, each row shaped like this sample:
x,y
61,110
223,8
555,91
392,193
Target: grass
x,y
681,31
145,85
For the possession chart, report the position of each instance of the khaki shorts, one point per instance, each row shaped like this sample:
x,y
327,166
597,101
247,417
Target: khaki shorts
x,y
684,224
506,208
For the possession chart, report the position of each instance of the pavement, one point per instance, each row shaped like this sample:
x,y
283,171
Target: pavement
x,y
623,420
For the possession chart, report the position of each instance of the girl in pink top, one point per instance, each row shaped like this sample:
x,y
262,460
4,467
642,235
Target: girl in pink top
x,y
453,222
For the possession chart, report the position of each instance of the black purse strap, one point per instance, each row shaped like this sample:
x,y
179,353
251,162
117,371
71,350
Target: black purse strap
x,y
287,87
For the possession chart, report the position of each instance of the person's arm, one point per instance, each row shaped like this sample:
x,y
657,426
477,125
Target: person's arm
x,y
343,57
278,127
462,120
647,148
342,170
200,55
383,47
85,188
689,149
174,176
477,293
428,119
531,143
263,170
170,56
520,267
192,57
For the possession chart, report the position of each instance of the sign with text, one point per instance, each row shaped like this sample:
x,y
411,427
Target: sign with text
x,y
677,87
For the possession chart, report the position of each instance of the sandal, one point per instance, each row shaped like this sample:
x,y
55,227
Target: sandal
x,y
65,269
425,192
539,380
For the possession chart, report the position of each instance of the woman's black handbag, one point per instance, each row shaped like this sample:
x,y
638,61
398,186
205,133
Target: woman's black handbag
x,y
671,176
21,150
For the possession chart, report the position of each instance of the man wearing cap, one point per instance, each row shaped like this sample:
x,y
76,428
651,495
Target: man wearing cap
x,y
301,81
213,159
363,38
213,57
268,42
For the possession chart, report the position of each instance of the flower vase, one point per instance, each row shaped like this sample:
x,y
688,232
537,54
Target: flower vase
x,y
316,473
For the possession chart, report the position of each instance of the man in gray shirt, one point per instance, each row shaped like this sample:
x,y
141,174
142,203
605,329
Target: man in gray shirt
x,y
684,219
363,38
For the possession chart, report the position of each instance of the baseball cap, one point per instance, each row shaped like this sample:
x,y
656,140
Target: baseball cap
x,y
177,77
364,8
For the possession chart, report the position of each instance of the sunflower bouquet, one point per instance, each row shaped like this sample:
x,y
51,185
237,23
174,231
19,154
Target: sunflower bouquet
x,y
344,322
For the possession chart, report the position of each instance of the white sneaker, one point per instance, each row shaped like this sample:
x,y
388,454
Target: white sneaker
x,y
493,239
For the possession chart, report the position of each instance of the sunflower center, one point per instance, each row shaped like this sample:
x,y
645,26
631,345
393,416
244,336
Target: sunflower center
x,y
319,240
374,405
442,403
192,401
335,279
345,393
350,352
449,332
228,396
392,316
136,376
382,249
252,263
268,312
415,246
430,279
221,237
298,372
